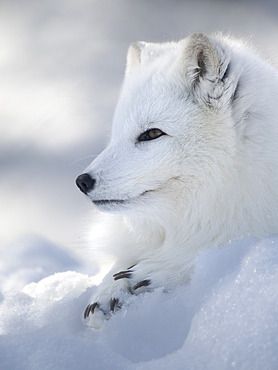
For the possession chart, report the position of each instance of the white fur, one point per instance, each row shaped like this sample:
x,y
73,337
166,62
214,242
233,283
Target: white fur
x,y
213,177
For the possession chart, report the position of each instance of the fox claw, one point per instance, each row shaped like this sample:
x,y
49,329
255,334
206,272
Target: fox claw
x,y
146,282
123,275
90,309
114,304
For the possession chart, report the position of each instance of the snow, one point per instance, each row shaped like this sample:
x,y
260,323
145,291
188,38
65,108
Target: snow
x,y
225,318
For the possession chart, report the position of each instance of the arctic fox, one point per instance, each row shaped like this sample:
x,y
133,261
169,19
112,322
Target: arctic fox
x,y
192,162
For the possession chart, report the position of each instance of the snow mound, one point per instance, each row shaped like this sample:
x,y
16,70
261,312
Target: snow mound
x,y
227,317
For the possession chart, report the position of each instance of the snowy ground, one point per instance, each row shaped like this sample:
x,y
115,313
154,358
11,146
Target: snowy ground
x,y
226,318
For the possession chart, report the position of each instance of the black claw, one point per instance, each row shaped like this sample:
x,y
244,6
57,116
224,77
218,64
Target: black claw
x,y
122,275
142,283
90,308
114,303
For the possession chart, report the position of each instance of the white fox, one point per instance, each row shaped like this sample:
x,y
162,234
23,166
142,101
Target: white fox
x,y
192,162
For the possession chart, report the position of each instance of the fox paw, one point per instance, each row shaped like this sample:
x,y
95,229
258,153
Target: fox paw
x,y
95,314
108,299
113,294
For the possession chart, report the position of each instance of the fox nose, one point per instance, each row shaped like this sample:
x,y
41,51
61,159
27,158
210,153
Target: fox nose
x,y
85,182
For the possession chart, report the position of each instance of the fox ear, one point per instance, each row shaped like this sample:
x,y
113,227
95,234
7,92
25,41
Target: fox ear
x,y
134,55
143,53
200,57
205,63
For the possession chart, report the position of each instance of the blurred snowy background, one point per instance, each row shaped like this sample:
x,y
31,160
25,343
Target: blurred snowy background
x,y
61,67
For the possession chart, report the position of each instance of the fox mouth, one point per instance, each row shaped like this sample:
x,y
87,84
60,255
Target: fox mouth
x,y
110,201
103,202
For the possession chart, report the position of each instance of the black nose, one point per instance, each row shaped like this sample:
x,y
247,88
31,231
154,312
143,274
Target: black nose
x,y
85,182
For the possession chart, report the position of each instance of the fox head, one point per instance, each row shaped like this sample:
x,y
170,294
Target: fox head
x,y
174,128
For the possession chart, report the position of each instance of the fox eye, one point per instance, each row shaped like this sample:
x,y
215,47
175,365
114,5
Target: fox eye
x,y
151,134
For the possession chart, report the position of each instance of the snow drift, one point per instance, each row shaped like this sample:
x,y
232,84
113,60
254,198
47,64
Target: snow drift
x,y
227,317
